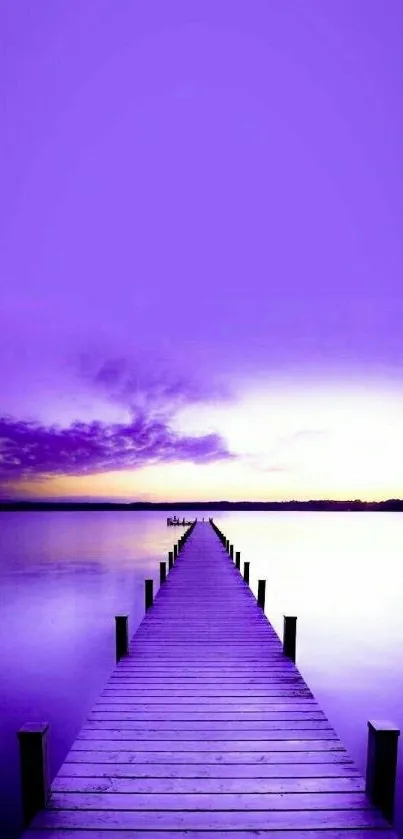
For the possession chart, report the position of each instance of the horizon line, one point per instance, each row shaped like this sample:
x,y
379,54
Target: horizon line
x,y
92,501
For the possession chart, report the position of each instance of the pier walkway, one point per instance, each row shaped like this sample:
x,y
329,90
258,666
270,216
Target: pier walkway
x,y
206,730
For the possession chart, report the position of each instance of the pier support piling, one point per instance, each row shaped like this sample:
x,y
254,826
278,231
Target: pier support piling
x,y
238,560
170,560
149,593
290,636
261,593
381,766
163,572
246,567
122,636
34,767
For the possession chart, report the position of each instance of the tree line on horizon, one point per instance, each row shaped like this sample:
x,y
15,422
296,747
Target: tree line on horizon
x,y
392,505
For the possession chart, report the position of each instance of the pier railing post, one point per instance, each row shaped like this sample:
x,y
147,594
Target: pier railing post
x,y
170,560
231,551
34,768
175,551
122,636
290,636
261,593
163,572
149,593
381,766
238,559
246,567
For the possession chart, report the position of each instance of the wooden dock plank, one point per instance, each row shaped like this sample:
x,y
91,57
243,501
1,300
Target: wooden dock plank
x,y
206,756
218,820
202,737
215,771
198,727
223,746
208,785
66,833
206,802
206,730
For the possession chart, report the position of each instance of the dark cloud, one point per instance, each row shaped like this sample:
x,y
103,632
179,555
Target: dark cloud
x,y
147,383
32,450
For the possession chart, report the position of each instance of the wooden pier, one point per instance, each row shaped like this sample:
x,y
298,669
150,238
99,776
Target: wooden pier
x,y
206,729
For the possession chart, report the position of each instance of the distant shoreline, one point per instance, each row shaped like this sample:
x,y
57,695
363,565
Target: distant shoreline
x,y
390,505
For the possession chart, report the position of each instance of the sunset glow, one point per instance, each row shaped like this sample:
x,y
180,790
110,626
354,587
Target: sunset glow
x,y
201,260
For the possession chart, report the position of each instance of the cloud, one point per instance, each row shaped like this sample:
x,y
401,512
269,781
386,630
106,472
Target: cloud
x,y
32,450
147,384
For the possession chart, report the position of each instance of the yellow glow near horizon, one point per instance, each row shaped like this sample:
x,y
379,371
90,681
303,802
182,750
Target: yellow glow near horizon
x,y
337,441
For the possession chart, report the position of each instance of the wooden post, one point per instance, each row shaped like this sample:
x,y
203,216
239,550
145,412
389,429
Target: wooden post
x,y
175,551
246,566
163,572
170,560
231,551
261,593
238,560
34,768
122,636
149,595
227,545
381,766
289,636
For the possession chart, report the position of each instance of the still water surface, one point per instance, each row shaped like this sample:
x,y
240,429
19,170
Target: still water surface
x,y
64,575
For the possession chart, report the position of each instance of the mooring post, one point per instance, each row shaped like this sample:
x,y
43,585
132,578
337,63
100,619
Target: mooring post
x,y
34,768
231,551
261,593
149,596
290,636
175,551
246,566
238,560
227,545
170,560
381,766
122,636
163,572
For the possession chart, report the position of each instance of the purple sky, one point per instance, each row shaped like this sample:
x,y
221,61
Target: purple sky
x,y
201,207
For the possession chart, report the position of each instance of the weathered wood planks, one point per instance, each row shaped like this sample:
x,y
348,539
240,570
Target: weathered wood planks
x,y
206,730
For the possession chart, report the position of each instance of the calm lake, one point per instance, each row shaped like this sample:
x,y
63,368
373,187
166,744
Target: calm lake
x,y
64,575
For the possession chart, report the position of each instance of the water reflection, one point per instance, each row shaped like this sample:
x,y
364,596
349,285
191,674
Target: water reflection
x,y
342,575
63,577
